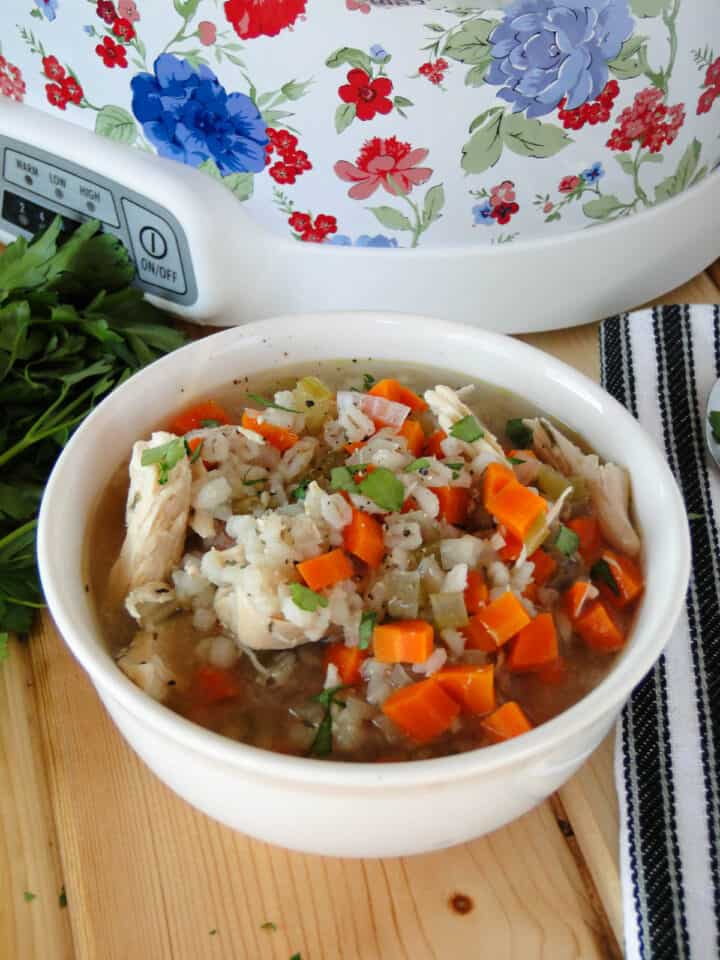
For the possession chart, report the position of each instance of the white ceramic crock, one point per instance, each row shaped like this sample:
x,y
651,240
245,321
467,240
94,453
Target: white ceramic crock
x,y
394,809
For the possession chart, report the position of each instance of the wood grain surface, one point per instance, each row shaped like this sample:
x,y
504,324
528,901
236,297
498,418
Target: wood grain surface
x,y
148,878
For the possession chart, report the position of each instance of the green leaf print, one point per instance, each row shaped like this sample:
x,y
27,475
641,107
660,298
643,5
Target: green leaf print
x,y
630,62
391,218
471,43
351,57
434,202
687,174
116,124
649,8
603,207
531,138
344,116
484,148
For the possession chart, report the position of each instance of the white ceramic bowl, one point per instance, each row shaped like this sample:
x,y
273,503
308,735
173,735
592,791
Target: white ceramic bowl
x,y
394,809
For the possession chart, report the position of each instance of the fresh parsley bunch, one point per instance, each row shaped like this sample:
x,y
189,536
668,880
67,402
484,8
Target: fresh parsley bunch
x,y
71,329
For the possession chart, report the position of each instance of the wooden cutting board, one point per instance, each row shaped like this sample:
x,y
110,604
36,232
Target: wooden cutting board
x,y
148,878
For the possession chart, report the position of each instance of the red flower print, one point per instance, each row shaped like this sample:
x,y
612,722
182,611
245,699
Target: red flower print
x,y
113,54
300,222
56,95
707,99
123,29
593,112
649,122
357,5
52,68
12,84
207,32
262,18
548,207
283,173
369,96
384,162
282,139
712,82
504,212
435,72
503,193
568,184
312,231
129,10
293,162
73,90
106,11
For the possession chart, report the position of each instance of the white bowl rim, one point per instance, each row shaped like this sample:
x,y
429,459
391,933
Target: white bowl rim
x,y
606,698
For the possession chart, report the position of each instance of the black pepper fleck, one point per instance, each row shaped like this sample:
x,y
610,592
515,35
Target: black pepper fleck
x,y
461,903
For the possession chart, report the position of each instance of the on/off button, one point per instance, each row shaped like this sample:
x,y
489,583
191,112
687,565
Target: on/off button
x,y
155,249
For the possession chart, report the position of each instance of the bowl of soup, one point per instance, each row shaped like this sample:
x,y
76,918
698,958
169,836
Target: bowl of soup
x,y
363,568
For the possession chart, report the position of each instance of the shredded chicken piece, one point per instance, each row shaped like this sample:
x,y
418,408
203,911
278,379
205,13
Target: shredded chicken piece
x,y
144,665
256,630
449,408
609,484
156,517
151,603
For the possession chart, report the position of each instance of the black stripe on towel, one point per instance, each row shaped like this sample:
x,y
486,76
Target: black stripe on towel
x,y
703,603
652,833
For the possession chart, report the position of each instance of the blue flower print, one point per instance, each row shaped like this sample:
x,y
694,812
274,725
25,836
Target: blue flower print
x,y
188,116
593,173
482,213
379,53
342,240
48,7
545,50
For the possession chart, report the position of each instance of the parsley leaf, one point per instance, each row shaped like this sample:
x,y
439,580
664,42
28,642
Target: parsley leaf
x,y
194,454
29,897
567,541
322,744
383,488
208,424
714,419
467,429
307,599
341,479
367,625
298,493
422,464
268,925
518,434
368,382
296,956
600,570
271,403
166,456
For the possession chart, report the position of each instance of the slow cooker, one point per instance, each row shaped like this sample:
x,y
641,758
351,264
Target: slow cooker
x,y
529,166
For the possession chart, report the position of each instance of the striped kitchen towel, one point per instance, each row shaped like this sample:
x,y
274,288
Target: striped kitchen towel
x,y
661,364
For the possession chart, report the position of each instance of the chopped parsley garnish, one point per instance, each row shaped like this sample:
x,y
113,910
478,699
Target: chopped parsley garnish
x,y
306,599
62,897
600,570
422,464
298,493
4,648
567,541
208,424
296,956
367,625
518,434
268,925
271,403
166,456
253,483
467,429
213,931
368,381
322,744
515,460
714,419
383,488
194,454
341,479
29,897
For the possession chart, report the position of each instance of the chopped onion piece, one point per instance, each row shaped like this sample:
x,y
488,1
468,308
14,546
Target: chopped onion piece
x,y
387,412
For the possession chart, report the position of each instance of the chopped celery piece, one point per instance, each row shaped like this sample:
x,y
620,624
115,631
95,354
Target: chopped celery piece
x,y
313,399
403,591
551,482
580,491
536,534
449,610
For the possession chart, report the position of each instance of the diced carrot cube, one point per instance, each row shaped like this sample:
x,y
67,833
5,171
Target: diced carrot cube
x,y
503,618
535,646
422,710
522,455
575,598
348,661
213,684
394,390
496,476
432,444
626,575
476,592
545,567
403,641
506,722
512,549
414,436
517,507
472,686
278,437
363,537
555,673
599,630
327,569
588,532
454,503
478,637
193,417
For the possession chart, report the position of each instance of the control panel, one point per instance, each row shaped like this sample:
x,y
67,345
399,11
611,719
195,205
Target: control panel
x,y
36,186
